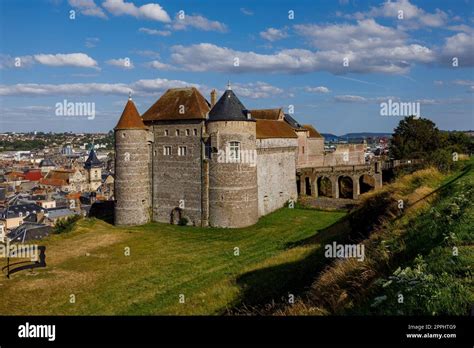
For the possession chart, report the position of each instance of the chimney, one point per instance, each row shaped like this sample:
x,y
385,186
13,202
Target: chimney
x,y
213,97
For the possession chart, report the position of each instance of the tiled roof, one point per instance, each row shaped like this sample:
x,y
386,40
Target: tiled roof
x,y
267,114
313,133
61,174
53,182
274,129
228,108
130,118
178,104
33,175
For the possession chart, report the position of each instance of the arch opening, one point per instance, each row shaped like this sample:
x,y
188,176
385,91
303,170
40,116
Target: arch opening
x,y
366,183
308,187
324,187
176,215
346,188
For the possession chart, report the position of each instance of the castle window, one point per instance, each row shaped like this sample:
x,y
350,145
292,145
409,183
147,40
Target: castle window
x,y
195,131
208,148
187,132
303,149
123,134
166,132
177,132
182,150
167,150
234,150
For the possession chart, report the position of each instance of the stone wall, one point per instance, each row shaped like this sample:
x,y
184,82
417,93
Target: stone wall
x,y
233,199
132,179
177,179
276,173
346,154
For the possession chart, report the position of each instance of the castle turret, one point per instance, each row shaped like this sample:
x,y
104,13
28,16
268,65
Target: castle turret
x,y
132,169
233,194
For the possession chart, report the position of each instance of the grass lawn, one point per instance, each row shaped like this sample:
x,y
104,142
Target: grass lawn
x,y
165,262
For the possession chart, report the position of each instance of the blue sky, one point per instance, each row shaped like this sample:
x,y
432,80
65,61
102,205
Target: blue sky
x,y
401,50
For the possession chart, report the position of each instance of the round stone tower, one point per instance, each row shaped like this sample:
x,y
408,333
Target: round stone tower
x,y
233,195
132,169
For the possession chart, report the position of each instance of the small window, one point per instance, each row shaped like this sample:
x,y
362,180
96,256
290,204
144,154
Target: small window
x,y
182,151
303,149
166,133
187,132
208,148
167,150
123,134
195,131
177,132
234,150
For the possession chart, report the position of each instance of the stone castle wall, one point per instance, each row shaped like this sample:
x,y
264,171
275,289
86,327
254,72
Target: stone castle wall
x,y
132,177
276,173
177,179
233,195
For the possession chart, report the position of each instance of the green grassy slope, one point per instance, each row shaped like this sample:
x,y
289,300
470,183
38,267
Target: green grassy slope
x,y
419,259
165,261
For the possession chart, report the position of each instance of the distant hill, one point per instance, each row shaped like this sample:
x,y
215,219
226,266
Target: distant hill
x,y
330,137
333,137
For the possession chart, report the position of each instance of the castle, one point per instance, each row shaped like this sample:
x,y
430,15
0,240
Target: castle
x,y
217,163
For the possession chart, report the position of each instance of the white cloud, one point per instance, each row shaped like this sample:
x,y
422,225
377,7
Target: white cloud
x,y
366,34
197,22
209,57
320,89
87,8
155,32
246,11
427,101
256,90
350,99
272,34
460,46
92,42
140,87
150,11
9,62
463,82
144,87
413,17
156,64
148,53
71,59
124,63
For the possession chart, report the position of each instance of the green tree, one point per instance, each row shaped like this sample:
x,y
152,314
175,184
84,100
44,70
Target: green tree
x,y
415,138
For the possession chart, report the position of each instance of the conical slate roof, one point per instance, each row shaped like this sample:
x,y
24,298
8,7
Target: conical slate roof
x,y
229,108
92,160
130,118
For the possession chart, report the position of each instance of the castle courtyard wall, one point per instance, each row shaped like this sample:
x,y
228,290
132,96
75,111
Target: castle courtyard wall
x,y
276,173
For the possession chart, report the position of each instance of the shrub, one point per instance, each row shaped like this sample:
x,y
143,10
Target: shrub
x,y
66,225
183,221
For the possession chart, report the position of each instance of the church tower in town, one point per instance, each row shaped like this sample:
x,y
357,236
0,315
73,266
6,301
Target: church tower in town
x,y
94,170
